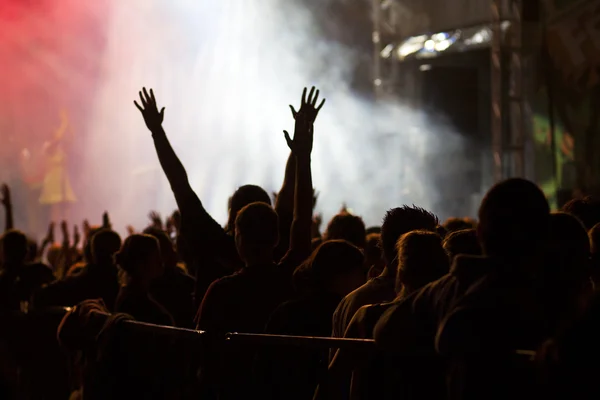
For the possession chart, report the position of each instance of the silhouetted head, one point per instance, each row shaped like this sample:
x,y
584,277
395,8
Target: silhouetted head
x,y
373,253
335,266
513,220
421,259
139,258
87,246
32,253
256,233
440,230
594,236
315,242
167,250
565,275
586,209
399,221
53,255
105,244
568,249
459,224
245,195
14,247
345,226
373,229
462,242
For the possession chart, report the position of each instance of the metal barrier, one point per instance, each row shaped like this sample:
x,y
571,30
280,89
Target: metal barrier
x,y
35,349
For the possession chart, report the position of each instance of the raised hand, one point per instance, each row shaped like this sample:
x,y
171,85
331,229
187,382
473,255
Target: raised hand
x,y
50,234
5,190
309,105
152,117
76,236
177,220
155,219
302,143
87,229
64,228
106,221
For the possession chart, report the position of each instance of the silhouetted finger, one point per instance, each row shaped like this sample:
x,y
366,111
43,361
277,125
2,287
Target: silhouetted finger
x,y
310,95
152,96
162,113
314,100
138,106
288,139
147,96
303,97
321,105
143,100
294,112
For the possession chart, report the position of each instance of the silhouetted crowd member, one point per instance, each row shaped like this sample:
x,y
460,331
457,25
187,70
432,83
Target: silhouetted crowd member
x,y
174,289
374,263
421,260
462,242
19,280
333,271
459,224
96,280
503,307
346,226
139,259
381,289
586,209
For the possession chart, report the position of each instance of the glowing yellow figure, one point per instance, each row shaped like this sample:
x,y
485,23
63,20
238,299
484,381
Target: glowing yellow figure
x,y
56,188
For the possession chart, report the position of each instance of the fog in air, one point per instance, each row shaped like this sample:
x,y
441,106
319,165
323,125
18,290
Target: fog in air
x,y
226,71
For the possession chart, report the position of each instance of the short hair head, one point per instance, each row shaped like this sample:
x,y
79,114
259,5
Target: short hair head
x,y
458,224
399,221
568,249
256,230
242,197
14,247
421,259
167,250
345,226
372,248
333,260
139,257
104,245
513,219
462,242
586,209
87,246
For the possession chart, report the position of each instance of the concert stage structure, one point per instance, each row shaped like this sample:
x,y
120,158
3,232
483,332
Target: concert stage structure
x,y
477,63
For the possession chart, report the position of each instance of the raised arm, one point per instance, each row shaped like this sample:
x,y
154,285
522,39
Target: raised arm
x,y
301,146
48,240
7,203
189,204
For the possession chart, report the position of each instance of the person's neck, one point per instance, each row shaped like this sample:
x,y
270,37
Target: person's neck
x,y
389,273
141,285
259,260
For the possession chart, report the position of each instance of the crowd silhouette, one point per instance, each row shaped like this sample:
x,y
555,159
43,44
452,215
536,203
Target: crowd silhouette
x,y
502,307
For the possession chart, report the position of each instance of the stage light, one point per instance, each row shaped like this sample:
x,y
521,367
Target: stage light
x,y
429,45
387,51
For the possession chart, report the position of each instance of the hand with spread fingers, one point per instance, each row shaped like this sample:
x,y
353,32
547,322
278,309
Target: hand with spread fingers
x,y
309,106
152,117
302,143
5,190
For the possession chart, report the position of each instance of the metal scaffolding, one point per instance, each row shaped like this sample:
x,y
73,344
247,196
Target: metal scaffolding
x,y
508,113
507,97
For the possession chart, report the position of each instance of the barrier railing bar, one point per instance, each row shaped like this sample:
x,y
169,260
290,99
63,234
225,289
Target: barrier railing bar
x,y
304,341
264,339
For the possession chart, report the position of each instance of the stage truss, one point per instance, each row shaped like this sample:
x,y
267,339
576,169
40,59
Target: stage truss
x,y
507,95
